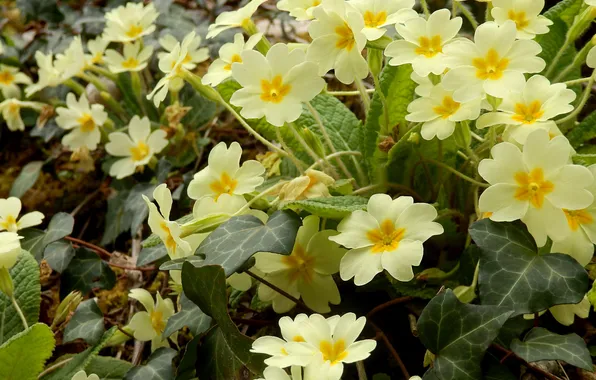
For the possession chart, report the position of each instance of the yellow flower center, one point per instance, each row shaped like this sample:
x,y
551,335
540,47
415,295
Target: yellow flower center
x,y
86,122
447,108
235,58
300,263
316,3
9,223
345,37
225,185
130,63
520,18
372,20
274,91
429,47
298,339
157,321
533,187
333,352
97,58
140,151
6,77
385,238
576,218
134,31
490,67
14,109
170,243
528,113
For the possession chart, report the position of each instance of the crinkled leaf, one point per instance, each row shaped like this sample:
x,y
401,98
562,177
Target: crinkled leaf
x,y
583,133
459,334
202,110
23,356
117,219
108,368
189,316
513,274
58,255
85,272
566,10
333,207
158,366
541,344
26,179
86,323
151,254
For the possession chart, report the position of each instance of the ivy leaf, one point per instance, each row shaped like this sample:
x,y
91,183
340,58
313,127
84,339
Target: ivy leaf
x,y
27,292
85,272
332,208
26,179
235,241
86,323
225,351
541,344
151,254
513,274
36,241
190,316
23,356
158,367
512,329
117,219
176,264
187,368
108,368
202,111
459,334
58,255
32,241
135,206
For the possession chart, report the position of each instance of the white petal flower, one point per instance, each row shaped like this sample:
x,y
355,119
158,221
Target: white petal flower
x,y
234,19
221,68
9,216
276,373
194,52
535,185
565,314
10,78
83,120
338,41
530,107
378,14
224,175
493,64
138,147
131,22
150,324
134,58
423,42
590,2
1,48
440,113
11,112
591,58
71,62
82,375
10,249
306,273
525,14
300,9
313,184
389,235
425,85
97,48
48,74
170,64
276,85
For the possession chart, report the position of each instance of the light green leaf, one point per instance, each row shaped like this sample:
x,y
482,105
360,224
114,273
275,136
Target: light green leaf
x,y
27,292
566,10
582,134
58,255
459,334
108,368
151,254
235,241
514,275
86,323
26,179
85,272
332,208
541,344
23,356
158,367
189,316
117,219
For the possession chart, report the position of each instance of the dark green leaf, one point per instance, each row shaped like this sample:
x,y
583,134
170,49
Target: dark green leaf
x,y
33,241
541,344
86,323
189,316
108,368
26,179
459,334
163,170
152,254
202,111
58,255
333,208
135,206
512,329
514,275
85,272
187,368
24,355
197,261
60,226
158,367
583,132
117,219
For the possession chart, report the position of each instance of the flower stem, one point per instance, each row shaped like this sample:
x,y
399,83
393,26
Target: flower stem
x,y
457,173
259,196
363,94
348,93
104,72
299,164
576,81
424,6
555,61
76,87
582,103
361,370
467,14
334,155
19,312
302,142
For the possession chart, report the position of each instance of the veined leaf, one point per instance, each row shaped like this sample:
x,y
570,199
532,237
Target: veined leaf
x,y
333,207
24,355
108,368
86,323
26,179
85,272
190,316
158,367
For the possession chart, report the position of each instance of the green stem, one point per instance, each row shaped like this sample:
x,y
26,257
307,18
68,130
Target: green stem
x,y
299,164
578,61
93,80
77,88
555,61
334,155
363,94
19,312
259,196
582,103
104,72
137,90
576,81
424,6
361,371
457,173
302,142
348,93
467,14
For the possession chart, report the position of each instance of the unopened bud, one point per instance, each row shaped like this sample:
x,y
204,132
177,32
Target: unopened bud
x,y
313,142
414,138
68,305
6,285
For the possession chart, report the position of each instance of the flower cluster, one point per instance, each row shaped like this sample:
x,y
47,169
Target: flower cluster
x,y
10,224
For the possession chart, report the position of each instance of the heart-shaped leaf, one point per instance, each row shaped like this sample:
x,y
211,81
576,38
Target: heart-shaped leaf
x,y
86,323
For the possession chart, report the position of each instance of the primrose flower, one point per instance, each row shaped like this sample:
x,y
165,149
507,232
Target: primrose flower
x,y
82,375
234,19
440,113
83,120
338,41
48,74
97,48
525,14
71,62
388,236
150,324
425,85
11,112
10,249
493,64
276,85
565,314
590,2
9,216
535,185
378,14
313,184
291,331
1,48
137,148
276,373
194,52
221,68
530,107
423,42
307,272
299,9
171,64
224,175
10,78
591,58
134,59
129,23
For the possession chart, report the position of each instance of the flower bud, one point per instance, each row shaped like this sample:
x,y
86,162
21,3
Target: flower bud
x,y
68,305
313,142
6,285
10,248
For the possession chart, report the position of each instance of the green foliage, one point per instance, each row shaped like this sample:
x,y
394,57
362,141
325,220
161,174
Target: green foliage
x,y
513,274
541,344
108,368
203,109
151,254
27,292
225,351
117,219
26,179
459,334
135,205
85,272
187,368
191,316
23,356
86,323
583,132
36,241
565,10
58,255
158,366
332,208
